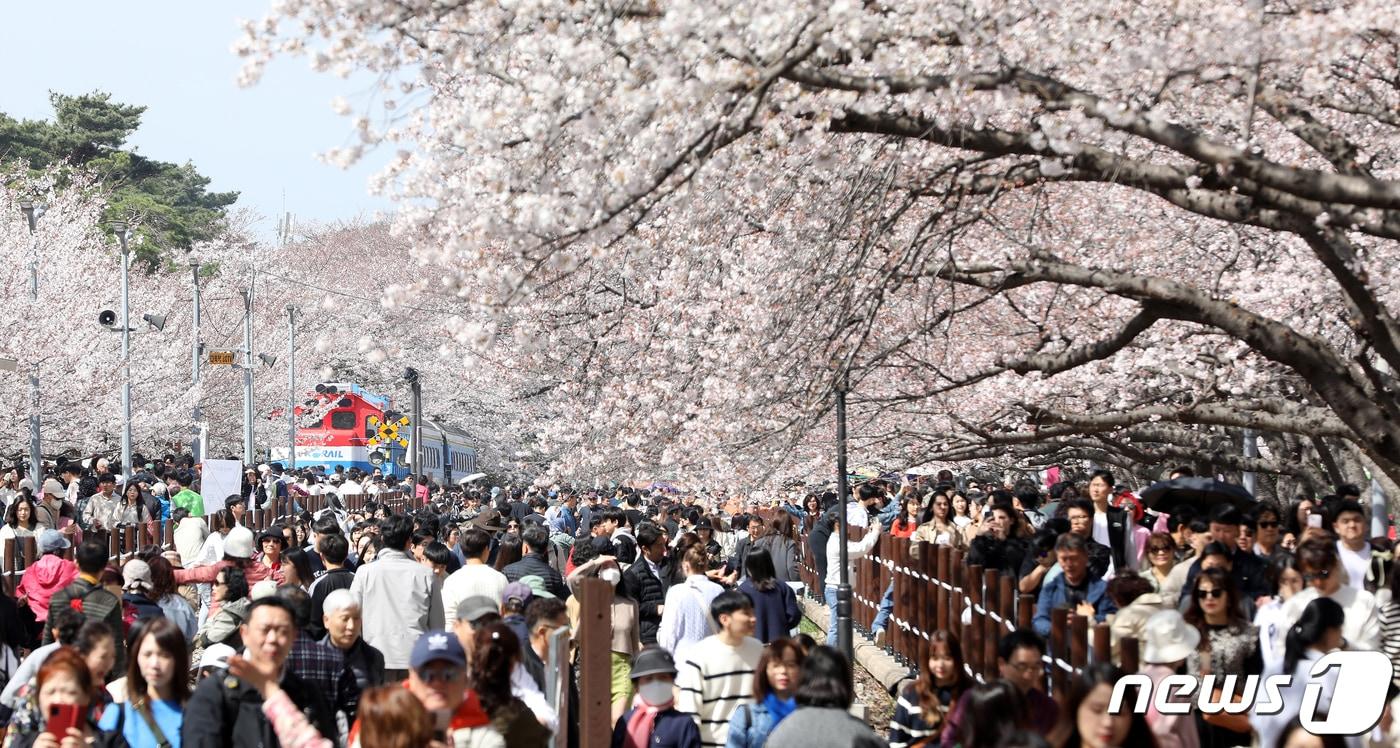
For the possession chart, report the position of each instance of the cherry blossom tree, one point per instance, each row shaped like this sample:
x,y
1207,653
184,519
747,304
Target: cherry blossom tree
x,y
1112,230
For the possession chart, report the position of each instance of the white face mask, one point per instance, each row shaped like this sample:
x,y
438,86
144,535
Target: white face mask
x,y
655,693
611,576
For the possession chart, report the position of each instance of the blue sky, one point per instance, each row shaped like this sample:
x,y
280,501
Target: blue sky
x,y
173,58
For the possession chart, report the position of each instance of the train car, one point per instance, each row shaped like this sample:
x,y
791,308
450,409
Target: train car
x,y
351,419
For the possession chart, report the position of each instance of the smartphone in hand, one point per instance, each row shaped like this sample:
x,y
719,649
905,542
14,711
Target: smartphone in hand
x,y
61,717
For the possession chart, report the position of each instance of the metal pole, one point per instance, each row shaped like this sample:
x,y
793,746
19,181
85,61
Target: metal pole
x,y
36,463
1251,450
248,377
194,365
291,387
418,467
120,230
843,588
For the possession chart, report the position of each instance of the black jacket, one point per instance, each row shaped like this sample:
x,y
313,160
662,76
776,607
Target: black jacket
x,y
538,564
225,712
1119,529
366,662
650,592
335,579
1003,555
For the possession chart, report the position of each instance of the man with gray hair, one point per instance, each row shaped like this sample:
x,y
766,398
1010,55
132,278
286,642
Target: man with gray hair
x,y
340,613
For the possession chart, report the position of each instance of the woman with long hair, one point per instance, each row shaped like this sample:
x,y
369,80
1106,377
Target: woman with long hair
x,y
1229,644
908,517
166,594
921,710
962,512
824,695
509,549
774,602
1285,581
781,543
1317,632
994,712
1085,721
231,593
157,686
936,526
495,650
21,521
775,682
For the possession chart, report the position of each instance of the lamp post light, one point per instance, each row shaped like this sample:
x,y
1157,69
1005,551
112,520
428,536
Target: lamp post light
x,y
291,387
120,229
36,465
844,640
194,362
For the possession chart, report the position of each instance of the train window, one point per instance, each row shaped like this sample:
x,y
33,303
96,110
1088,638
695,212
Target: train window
x,y
343,419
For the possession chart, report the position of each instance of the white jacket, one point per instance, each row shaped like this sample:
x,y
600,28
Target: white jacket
x,y
1361,628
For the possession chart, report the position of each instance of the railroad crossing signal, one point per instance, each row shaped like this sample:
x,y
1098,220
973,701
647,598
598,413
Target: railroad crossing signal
x,y
387,432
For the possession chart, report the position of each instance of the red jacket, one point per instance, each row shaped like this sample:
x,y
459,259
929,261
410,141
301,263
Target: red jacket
x,y
45,577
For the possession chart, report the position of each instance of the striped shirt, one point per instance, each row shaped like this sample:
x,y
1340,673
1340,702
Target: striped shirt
x,y
713,681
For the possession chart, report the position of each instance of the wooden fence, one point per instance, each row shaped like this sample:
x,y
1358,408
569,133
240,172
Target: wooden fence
x,y
934,587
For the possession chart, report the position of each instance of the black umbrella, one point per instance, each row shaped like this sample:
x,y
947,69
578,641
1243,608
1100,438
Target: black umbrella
x,y
1200,494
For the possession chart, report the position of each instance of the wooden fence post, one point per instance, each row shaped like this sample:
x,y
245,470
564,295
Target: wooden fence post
x,y
990,628
1059,625
1128,654
594,667
943,600
1025,611
973,647
1101,650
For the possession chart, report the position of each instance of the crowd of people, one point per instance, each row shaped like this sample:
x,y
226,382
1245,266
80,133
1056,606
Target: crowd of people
x,y
424,615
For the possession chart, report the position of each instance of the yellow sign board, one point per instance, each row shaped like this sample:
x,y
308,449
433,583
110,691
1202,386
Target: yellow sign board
x,y
221,357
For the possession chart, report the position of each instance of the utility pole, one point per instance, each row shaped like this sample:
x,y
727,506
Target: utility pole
x,y
120,229
843,588
248,377
291,387
416,386
36,464
194,364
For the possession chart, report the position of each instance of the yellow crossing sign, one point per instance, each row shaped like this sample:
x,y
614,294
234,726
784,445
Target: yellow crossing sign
x,y
387,432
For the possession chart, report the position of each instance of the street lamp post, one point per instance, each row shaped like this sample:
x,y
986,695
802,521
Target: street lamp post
x,y
843,588
120,229
194,363
36,465
248,377
416,387
291,387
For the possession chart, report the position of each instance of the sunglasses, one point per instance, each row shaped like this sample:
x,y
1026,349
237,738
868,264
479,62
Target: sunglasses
x,y
1267,525
1314,576
444,675
1211,593
1160,549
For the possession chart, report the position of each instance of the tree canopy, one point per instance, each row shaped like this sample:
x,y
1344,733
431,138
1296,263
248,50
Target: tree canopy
x,y
169,205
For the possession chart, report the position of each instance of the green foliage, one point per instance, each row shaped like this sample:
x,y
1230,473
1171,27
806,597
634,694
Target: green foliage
x,y
169,205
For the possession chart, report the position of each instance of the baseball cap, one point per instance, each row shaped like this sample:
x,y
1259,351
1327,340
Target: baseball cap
x,y
52,540
136,575
437,645
476,606
537,586
518,591
52,487
239,543
216,655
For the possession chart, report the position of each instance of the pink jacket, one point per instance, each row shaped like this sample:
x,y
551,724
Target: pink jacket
x,y
47,576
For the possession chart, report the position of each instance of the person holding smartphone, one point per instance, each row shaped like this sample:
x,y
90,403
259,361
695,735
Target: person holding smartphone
x,y
65,694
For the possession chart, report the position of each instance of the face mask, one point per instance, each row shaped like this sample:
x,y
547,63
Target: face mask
x,y
611,576
655,693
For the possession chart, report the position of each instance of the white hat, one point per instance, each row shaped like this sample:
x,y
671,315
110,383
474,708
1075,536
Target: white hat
x,y
136,575
53,488
239,543
265,588
1169,638
216,655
